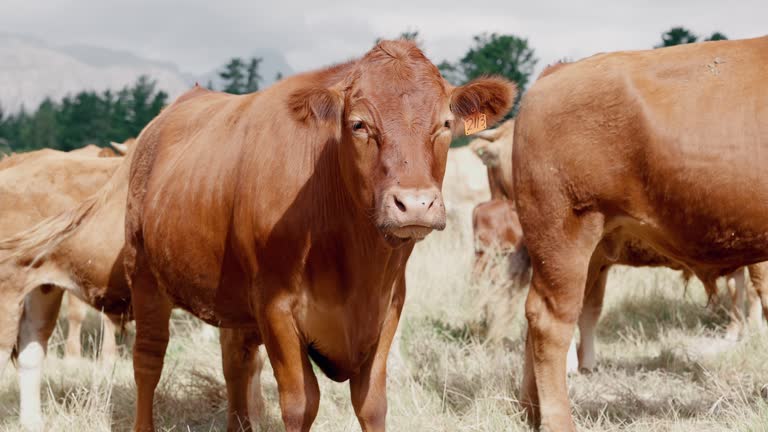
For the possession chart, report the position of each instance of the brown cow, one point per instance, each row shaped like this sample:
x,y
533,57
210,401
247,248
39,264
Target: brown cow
x,y
665,146
294,212
497,234
80,252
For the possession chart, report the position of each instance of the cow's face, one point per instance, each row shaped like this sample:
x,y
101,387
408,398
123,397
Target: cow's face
x,y
396,119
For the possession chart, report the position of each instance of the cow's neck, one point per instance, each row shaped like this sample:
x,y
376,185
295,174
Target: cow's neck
x,y
348,265
335,214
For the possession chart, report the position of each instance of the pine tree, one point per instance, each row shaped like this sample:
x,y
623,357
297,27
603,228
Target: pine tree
x,y
233,76
253,77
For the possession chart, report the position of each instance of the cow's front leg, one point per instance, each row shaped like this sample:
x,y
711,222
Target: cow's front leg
x,y
296,382
369,387
242,364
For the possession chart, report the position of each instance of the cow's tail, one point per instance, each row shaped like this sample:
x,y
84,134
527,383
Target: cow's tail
x,y
33,244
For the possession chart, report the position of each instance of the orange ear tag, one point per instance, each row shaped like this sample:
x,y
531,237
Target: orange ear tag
x,y
474,123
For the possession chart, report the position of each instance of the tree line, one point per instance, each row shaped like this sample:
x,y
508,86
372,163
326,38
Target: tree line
x,y
90,117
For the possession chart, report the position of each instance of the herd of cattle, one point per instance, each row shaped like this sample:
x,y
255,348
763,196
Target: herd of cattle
x,y
286,217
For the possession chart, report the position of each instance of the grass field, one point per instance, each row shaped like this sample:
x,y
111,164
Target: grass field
x,y
661,365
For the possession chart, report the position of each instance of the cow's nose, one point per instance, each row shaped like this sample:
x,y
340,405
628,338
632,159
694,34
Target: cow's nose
x,y
416,207
414,204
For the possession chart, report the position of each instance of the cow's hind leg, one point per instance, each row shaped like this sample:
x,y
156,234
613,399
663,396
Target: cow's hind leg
x,y
737,287
758,274
590,315
755,318
41,309
560,260
242,364
152,312
76,313
108,353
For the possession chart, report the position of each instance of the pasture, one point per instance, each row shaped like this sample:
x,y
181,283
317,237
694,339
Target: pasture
x,y
661,364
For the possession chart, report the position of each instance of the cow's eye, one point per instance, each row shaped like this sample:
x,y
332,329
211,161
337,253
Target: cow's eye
x,y
358,125
447,124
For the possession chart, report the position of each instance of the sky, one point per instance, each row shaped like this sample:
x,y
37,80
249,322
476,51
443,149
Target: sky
x,y
198,35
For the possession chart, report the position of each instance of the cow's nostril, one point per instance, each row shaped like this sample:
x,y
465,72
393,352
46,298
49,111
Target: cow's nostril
x,y
399,204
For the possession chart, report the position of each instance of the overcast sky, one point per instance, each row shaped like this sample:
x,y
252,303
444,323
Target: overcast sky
x,y
198,35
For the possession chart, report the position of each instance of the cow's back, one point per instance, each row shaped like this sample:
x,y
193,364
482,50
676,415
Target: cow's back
x,y
669,144
42,185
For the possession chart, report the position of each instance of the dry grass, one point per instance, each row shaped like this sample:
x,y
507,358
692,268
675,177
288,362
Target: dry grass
x,y
662,366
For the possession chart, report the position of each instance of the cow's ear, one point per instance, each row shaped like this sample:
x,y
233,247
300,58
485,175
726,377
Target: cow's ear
x,y
317,104
492,96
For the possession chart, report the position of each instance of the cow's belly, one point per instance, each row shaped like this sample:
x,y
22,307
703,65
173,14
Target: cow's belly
x,y
194,280
700,240
699,207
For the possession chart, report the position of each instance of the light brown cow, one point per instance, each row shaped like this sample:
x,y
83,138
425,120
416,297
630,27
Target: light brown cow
x,y
80,252
83,187
667,146
494,147
77,310
33,186
294,212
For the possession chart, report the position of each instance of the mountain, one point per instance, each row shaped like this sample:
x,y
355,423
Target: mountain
x,y
31,70
272,63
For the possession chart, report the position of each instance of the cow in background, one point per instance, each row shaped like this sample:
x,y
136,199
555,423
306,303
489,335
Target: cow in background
x,y
77,310
80,251
34,186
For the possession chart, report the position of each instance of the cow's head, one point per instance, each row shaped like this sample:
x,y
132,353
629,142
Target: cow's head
x,y
394,117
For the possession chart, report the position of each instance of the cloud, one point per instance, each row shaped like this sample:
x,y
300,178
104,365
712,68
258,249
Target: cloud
x,y
199,35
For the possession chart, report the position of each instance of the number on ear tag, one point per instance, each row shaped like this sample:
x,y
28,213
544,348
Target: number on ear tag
x,y
474,123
